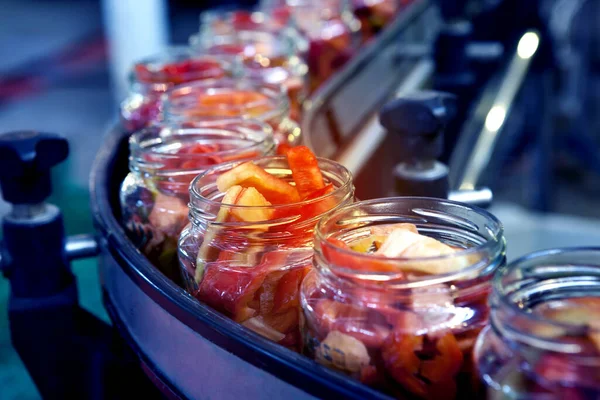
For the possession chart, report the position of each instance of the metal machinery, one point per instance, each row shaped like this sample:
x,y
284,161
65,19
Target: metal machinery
x,y
186,349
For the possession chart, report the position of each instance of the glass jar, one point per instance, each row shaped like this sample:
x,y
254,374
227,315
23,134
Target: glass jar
x,y
265,56
406,333
219,22
251,271
543,341
222,22
153,76
330,28
198,101
163,162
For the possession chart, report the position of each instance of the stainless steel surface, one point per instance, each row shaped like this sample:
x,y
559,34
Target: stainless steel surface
x,y
347,101
511,82
481,197
27,211
371,135
81,246
528,231
196,367
341,119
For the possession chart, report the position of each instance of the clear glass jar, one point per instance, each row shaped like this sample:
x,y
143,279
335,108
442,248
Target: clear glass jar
x,y
406,333
251,271
223,22
219,22
543,341
163,161
226,98
153,76
265,56
330,27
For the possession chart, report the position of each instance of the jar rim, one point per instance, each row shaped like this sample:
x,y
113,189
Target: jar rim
x,y
258,18
493,244
195,187
274,96
179,54
543,261
256,136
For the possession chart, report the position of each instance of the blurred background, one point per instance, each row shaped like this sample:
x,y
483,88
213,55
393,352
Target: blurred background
x,y
62,70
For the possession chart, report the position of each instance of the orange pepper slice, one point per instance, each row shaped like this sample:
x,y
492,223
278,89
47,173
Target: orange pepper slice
x,y
339,256
275,190
401,357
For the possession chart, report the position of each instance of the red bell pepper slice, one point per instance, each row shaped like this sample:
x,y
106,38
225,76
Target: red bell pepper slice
x,y
199,149
288,290
305,170
320,207
230,290
283,148
266,295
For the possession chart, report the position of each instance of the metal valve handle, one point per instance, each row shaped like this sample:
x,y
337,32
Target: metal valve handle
x,y
26,158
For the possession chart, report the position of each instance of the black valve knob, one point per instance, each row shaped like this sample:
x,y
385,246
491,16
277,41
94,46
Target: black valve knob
x,y
419,119
26,158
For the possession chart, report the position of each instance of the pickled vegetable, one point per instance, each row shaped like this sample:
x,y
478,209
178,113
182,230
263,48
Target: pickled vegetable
x,y
416,343
252,280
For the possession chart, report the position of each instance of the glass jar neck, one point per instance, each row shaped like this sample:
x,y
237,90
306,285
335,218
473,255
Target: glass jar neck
x,y
172,152
529,299
174,66
226,98
312,16
206,202
479,242
318,10
214,24
261,55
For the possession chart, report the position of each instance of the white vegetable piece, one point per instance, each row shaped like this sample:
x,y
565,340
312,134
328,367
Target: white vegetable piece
x,y
258,325
398,241
342,352
169,214
407,244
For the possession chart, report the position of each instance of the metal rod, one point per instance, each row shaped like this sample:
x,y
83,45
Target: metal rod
x,y
478,197
496,116
81,246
